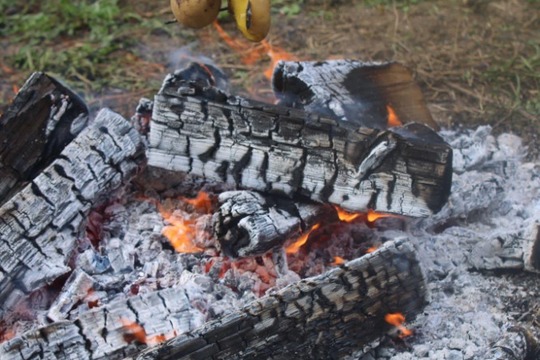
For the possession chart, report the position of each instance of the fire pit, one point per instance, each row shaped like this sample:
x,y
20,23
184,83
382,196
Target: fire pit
x,y
186,240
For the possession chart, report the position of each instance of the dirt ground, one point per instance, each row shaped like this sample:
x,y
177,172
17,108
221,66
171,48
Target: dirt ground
x,y
477,61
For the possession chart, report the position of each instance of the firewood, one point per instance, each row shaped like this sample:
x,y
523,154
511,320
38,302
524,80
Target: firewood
x,y
278,150
44,117
323,317
111,331
39,226
248,223
363,93
509,249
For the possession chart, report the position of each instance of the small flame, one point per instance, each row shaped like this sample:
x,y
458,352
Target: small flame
x,y
338,260
397,320
373,216
251,53
15,89
393,119
294,247
276,54
180,234
371,249
346,216
134,331
201,202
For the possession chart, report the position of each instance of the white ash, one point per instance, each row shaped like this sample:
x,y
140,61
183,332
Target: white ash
x,y
495,195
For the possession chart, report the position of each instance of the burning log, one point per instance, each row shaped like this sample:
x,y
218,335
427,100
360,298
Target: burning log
x,y
250,224
278,150
39,226
322,317
44,117
373,95
109,332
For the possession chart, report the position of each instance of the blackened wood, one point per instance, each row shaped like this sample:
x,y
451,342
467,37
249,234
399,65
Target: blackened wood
x,y
111,331
39,226
248,223
351,90
324,317
43,118
278,150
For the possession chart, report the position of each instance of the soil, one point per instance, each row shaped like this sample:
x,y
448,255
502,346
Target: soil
x,y
477,61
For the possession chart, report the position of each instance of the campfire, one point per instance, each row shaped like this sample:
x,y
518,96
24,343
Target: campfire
x,y
215,226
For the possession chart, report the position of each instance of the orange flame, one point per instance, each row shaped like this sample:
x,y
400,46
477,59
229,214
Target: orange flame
x,y
371,249
180,234
294,247
251,53
134,331
393,119
338,260
15,89
201,202
397,320
276,54
346,216
373,216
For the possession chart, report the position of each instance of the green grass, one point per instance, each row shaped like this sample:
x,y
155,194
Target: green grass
x,y
87,42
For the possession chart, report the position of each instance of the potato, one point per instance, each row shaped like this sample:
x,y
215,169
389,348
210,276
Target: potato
x,y
195,13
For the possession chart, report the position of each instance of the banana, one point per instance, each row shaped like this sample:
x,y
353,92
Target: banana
x,y
252,17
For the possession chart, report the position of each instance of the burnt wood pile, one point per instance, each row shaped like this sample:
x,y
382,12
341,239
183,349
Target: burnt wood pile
x,y
289,164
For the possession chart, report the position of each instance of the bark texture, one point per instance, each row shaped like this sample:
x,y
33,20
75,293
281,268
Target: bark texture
x,y
39,226
44,117
248,223
278,150
352,91
324,317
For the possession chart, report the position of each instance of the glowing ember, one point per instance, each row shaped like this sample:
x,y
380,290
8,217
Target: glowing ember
x,y
293,248
201,203
338,260
393,119
373,216
134,331
346,216
397,320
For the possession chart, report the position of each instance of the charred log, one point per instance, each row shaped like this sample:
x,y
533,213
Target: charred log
x,y
324,317
359,92
518,249
247,223
39,225
278,150
112,331
44,117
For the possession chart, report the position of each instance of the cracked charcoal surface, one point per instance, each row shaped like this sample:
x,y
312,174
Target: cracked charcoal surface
x,y
289,152
40,224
